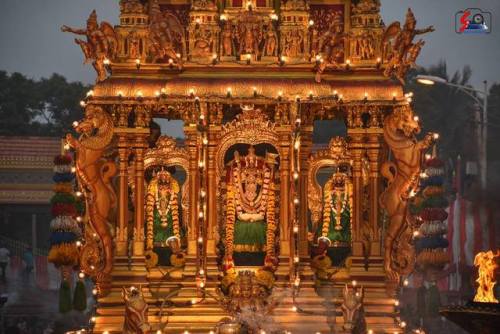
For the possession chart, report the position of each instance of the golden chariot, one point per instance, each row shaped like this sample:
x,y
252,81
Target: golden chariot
x,y
246,214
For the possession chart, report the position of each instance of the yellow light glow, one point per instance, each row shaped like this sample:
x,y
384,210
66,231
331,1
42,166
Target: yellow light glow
x,y
426,81
487,264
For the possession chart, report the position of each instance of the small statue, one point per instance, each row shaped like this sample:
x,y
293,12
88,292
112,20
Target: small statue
x,y
331,45
101,43
293,43
227,41
270,49
133,45
403,52
353,310
162,210
136,312
336,210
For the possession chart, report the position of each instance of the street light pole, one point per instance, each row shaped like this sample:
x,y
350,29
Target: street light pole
x,y
483,133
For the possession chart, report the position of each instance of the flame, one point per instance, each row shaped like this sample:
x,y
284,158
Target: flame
x,y
486,263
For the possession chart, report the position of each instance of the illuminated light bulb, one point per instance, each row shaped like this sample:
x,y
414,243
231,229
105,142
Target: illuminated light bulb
x,y
211,332
282,60
296,145
409,99
416,118
311,23
138,63
296,259
348,62
394,95
335,92
406,282
170,61
81,275
297,98
229,91
262,331
79,219
297,282
396,302
200,240
202,272
273,16
90,93
193,301
427,156
202,285
295,175
402,324
223,17
341,97
78,243
82,104
92,267
295,201
78,194
139,94
295,229
105,332
94,292
158,332
203,193
294,308
106,61
200,214
205,141
354,283
416,233
198,20
423,175
201,164
366,95
119,93
178,55
67,147
191,92
280,93
157,93
410,94
435,136
73,169
379,60
93,319
311,95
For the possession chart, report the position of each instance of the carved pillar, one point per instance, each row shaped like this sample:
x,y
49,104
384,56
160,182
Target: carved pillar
x,y
356,148
373,154
285,200
212,189
193,188
305,152
140,147
122,231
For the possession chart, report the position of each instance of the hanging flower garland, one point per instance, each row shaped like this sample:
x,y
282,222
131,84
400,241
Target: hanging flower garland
x,y
430,243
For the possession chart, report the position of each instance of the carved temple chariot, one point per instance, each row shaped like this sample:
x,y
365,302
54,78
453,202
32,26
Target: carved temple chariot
x,y
246,208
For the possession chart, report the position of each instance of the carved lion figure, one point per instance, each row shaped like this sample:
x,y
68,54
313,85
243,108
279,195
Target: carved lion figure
x,y
136,312
94,174
402,174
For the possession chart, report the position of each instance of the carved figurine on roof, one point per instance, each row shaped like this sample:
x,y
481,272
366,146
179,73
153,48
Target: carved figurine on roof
x,y
167,37
366,32
294,30
328,39
203,31
133,31
399,47
101,43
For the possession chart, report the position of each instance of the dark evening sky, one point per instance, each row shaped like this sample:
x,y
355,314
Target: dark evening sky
x,y
31,42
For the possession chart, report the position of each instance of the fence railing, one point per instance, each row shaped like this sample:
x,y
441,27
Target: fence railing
x,y
17,247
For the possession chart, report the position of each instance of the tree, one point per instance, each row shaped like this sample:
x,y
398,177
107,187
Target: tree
x,y
447,111
46,107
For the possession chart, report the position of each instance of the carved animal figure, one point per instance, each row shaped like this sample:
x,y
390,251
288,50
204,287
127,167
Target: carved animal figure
x,y
94,174
400,129
136,312
101,43
353,310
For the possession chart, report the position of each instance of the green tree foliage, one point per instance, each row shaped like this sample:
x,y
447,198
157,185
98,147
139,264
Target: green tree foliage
x,y
446,110
44,107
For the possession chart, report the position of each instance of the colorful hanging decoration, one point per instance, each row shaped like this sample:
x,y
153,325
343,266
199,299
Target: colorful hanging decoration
x,y
65,230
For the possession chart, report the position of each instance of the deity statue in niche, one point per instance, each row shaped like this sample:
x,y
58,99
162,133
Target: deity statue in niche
x,y
250,208
336,227
162,219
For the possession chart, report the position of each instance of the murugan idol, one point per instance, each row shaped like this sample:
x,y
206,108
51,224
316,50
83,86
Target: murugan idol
x,y
162,213
250,219
336,228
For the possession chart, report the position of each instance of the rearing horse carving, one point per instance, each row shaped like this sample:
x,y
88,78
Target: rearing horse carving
x,y
94,174
402,174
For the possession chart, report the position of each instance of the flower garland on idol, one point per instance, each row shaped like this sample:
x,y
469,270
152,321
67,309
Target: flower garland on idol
x,y
65,233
